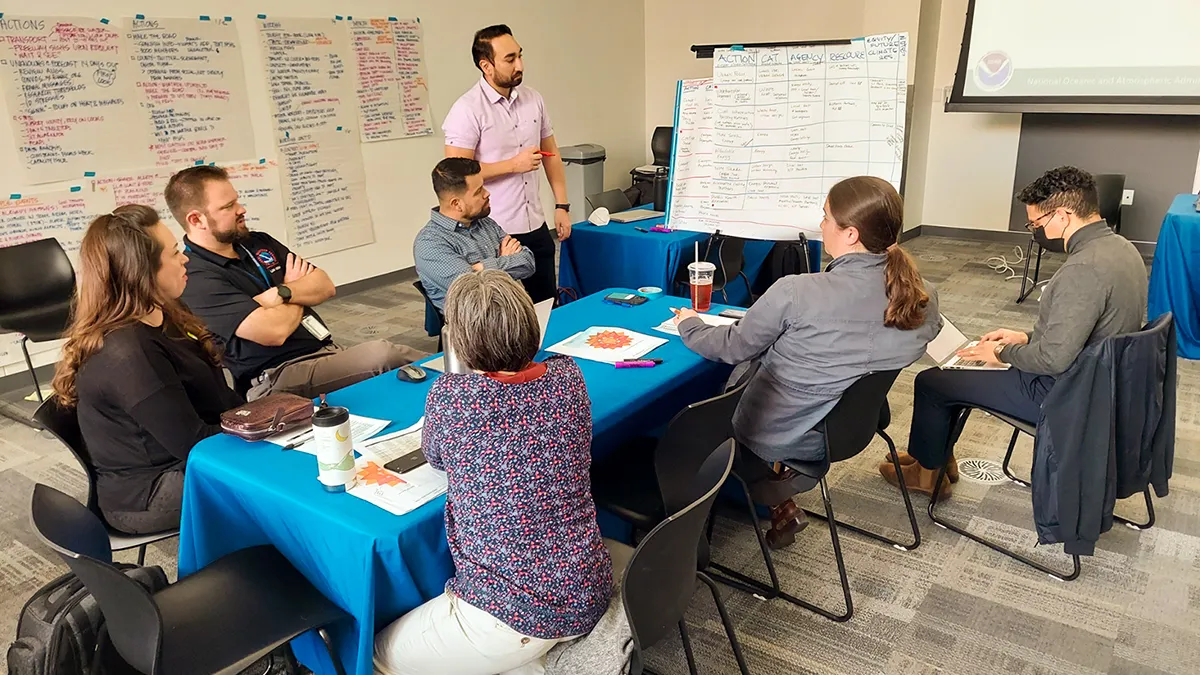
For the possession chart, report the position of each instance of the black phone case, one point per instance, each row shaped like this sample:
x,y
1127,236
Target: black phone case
x,y
407,462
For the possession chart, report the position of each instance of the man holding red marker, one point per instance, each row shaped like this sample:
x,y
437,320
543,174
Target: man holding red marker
x,y
508,132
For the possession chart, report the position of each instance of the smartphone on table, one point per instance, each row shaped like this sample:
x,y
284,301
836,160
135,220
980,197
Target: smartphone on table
x,y
406,463
625,299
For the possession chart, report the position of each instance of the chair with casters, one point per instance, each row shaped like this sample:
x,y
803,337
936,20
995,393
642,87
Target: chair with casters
x,y
658,579
63,423
861,413
37,284
1163,327
218,620
434,320
1110,188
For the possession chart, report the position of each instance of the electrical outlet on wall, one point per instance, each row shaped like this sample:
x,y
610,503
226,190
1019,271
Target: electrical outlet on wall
x,y
1127,198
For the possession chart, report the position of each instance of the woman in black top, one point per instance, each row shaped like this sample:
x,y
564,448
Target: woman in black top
x,y
141,370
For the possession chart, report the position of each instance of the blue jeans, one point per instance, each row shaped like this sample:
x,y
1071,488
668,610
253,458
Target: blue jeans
x,y
940,396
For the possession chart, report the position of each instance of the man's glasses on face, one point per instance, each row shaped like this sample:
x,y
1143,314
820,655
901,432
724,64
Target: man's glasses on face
x,y
1032,225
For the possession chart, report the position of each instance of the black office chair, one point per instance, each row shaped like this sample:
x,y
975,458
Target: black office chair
x,y
860,414
658,579
63,424
730,262
218,620
1163,324
434,319
660,145
37,285
614,200
1110,189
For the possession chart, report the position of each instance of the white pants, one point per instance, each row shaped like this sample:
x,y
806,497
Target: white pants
x,y
448,636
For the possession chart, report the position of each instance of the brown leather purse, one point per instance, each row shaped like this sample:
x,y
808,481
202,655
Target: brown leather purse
x,y
267,416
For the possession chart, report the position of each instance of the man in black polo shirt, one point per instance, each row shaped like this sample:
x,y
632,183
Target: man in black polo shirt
x,y
257,296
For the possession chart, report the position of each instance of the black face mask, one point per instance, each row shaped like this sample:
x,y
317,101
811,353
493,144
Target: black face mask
x,y
1058,245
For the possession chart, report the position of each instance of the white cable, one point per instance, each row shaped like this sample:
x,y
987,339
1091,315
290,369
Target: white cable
x,y
1002,265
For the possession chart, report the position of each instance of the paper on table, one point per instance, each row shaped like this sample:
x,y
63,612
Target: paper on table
x,y
397,493
416,426
361,429
392,447
607,344
670,328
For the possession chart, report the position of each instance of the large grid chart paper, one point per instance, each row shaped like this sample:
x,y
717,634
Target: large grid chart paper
x,y
787,124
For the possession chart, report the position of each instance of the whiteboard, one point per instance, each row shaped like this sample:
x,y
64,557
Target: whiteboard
x,y
758,146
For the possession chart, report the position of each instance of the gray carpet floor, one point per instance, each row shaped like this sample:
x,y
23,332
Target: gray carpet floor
x,y
951,606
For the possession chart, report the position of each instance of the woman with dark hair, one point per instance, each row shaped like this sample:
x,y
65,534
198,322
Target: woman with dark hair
x,y
514,438
141,370
816,334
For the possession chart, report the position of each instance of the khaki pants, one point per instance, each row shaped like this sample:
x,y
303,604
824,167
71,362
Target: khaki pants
x,y
332,368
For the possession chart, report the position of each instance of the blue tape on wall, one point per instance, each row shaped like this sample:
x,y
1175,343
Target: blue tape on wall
x,y
76,188
262,16
15,195
204,17
89,174
139,17
104,21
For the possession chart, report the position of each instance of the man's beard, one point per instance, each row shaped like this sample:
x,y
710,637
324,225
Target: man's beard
x,y
483,212
238,234
512,81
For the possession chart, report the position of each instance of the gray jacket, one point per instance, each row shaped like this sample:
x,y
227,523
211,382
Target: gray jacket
x,y
816,335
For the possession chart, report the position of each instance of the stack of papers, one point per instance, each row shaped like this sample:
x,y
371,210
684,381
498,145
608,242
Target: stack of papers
x,y
361,429
670,328
607,344
396,493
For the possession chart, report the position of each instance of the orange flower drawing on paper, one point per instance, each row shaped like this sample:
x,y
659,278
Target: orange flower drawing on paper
x,y
609,339
373,474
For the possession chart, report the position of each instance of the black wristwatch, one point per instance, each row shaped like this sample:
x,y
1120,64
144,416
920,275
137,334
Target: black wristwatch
x,y
285,293
564,207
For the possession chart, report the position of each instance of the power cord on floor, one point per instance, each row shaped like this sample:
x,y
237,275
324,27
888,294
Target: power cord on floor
x,y
1002,265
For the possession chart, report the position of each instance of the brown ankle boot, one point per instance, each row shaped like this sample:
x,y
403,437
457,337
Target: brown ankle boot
x,y
916,478
952,469
786,521
906,459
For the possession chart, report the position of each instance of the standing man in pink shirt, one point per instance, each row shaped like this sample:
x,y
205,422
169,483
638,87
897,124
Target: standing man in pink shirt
x,y
505,128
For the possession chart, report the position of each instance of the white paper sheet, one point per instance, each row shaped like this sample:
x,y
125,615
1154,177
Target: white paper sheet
x,y
669,327
397,493
393,447
361,430
607,344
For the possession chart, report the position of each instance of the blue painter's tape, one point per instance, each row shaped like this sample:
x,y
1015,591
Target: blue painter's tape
x,y
418,19
139,17
204,17
736,48
1,15
199,162
262,16
339,128
104,21
228,19
349,18
76,188
89,174
15,195
338,17
391,18
212,163
263,160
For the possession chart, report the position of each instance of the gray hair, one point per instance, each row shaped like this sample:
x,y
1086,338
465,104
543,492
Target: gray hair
x,y
491,321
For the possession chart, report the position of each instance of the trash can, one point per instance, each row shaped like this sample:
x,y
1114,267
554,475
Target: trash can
x,y
585,176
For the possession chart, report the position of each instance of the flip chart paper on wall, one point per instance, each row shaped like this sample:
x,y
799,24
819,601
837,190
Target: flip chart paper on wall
x,y
325,193
789,123
690,205
410,72
393,94
70,91
193,87
310,88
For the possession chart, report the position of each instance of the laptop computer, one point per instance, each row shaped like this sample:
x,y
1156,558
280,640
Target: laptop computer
x,y
943,350
634,215
542,309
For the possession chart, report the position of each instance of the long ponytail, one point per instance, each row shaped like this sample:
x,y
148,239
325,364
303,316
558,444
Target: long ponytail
x,y
875,209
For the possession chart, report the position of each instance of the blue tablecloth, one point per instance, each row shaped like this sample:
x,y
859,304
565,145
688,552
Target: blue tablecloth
x,y
375,565
1175,275
616,254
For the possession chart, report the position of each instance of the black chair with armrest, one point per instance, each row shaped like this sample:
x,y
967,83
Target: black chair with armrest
x,y
434,320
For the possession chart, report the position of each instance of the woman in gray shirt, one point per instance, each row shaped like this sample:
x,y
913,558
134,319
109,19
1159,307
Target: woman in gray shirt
x,y
816,334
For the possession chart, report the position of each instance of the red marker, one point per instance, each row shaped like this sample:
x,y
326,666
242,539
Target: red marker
x,y
545,154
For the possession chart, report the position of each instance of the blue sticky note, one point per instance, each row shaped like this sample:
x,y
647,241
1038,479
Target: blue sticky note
x,y
139,17
89,174
104,21
262,16
15,195
76,188
204,17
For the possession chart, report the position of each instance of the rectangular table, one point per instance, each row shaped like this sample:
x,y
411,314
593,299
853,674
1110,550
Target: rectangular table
x,y
617,254
375,565
1175,274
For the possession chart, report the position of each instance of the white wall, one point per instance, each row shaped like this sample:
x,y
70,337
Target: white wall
x,y
577,79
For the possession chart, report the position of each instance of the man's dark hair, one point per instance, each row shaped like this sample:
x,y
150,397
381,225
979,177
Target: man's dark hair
x,y
185,190
450,176
1065,187
481,48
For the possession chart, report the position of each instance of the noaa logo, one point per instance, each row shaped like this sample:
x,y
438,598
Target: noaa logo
x,y
266,257
993,71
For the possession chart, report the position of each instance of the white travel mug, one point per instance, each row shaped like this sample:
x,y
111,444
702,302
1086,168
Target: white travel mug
x,y
335,448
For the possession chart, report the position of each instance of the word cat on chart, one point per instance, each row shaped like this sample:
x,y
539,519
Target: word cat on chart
x,y
393,94
325,193
71,98
307,82
193,86
790,122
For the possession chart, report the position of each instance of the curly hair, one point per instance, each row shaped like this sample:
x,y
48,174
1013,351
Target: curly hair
x,y
1066,187
118,262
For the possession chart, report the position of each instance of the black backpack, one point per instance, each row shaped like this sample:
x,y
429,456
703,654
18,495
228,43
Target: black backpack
x,y
785,258
61,624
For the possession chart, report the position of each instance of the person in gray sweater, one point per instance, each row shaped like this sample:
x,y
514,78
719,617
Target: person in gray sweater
x,y
816,334
1099,292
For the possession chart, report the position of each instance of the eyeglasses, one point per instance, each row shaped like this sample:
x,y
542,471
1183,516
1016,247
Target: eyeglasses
x,y
1031,225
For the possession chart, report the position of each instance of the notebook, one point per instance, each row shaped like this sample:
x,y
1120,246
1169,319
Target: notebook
x,y
943,350
542,309
634,215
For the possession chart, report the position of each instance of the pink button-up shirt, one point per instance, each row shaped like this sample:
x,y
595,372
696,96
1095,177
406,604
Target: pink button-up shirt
x,y
497,128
